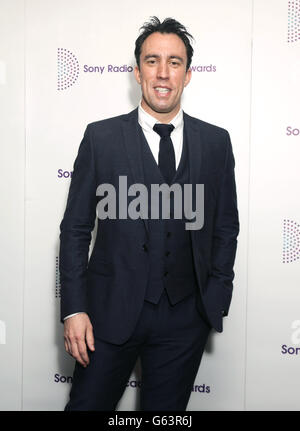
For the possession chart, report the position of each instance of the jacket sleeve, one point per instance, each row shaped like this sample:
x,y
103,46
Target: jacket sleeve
x,y
75,230
225,232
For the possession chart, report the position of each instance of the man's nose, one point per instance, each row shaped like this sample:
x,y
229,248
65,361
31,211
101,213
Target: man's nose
x,y
163,70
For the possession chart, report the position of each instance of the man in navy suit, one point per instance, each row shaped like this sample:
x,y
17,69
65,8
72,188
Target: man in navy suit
x,y
152,289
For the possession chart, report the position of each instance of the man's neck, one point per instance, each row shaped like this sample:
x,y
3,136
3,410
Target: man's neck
x,y
162,117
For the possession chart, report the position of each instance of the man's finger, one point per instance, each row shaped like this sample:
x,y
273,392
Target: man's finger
x,y
90,339
82,352
67,346
76,354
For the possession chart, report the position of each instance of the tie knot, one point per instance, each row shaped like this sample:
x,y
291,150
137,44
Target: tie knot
x,y
164,130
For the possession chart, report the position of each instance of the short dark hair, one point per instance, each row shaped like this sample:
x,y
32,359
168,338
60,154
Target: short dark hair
x,y
169,25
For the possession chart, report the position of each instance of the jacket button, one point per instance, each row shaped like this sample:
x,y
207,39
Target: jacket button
x,y
167,253
166,273
168,234
145,248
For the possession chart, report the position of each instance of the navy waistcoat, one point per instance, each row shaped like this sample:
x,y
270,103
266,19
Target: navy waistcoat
x,y
169,247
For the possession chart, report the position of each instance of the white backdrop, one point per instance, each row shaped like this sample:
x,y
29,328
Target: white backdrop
x,y
66,63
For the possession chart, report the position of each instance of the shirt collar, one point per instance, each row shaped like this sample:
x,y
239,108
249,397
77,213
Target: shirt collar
x,y
147,122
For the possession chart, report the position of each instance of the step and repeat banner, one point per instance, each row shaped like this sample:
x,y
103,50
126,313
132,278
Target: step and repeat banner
x,y
67,63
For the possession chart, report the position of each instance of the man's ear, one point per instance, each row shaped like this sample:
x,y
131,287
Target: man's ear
x,y
188,76
137,74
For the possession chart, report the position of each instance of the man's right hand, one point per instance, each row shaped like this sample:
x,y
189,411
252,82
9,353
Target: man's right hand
x,y
78,335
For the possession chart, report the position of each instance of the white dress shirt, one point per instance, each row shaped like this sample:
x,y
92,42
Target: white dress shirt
x,y
147,123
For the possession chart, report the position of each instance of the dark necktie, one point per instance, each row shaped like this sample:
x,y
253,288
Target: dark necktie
x,y
166,155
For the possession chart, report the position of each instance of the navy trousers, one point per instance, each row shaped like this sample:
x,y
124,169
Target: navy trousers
x,y
169,339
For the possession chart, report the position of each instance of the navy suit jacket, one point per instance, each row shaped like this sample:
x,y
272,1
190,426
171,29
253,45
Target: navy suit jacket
x,y
110,285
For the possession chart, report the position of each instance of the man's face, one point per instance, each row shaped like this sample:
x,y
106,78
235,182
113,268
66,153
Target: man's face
x,y
162,74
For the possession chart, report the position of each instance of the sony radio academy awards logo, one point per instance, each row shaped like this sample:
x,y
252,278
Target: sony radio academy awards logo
x,y
132,384
68,69
293,21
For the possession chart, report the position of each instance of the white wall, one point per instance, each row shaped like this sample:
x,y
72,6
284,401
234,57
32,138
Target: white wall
x,y
12,193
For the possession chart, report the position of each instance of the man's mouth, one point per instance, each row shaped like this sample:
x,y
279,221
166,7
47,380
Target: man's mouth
x,y
162,90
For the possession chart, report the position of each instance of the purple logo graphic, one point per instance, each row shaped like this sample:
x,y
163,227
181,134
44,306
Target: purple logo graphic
x,y
290,350
291,241
110,68
292,131
293,21
58,378
64,174
203,389
209,68
134,383
57,278
67,69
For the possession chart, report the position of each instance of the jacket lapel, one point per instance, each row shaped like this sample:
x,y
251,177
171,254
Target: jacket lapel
x,y
192,135
193,141
133,149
